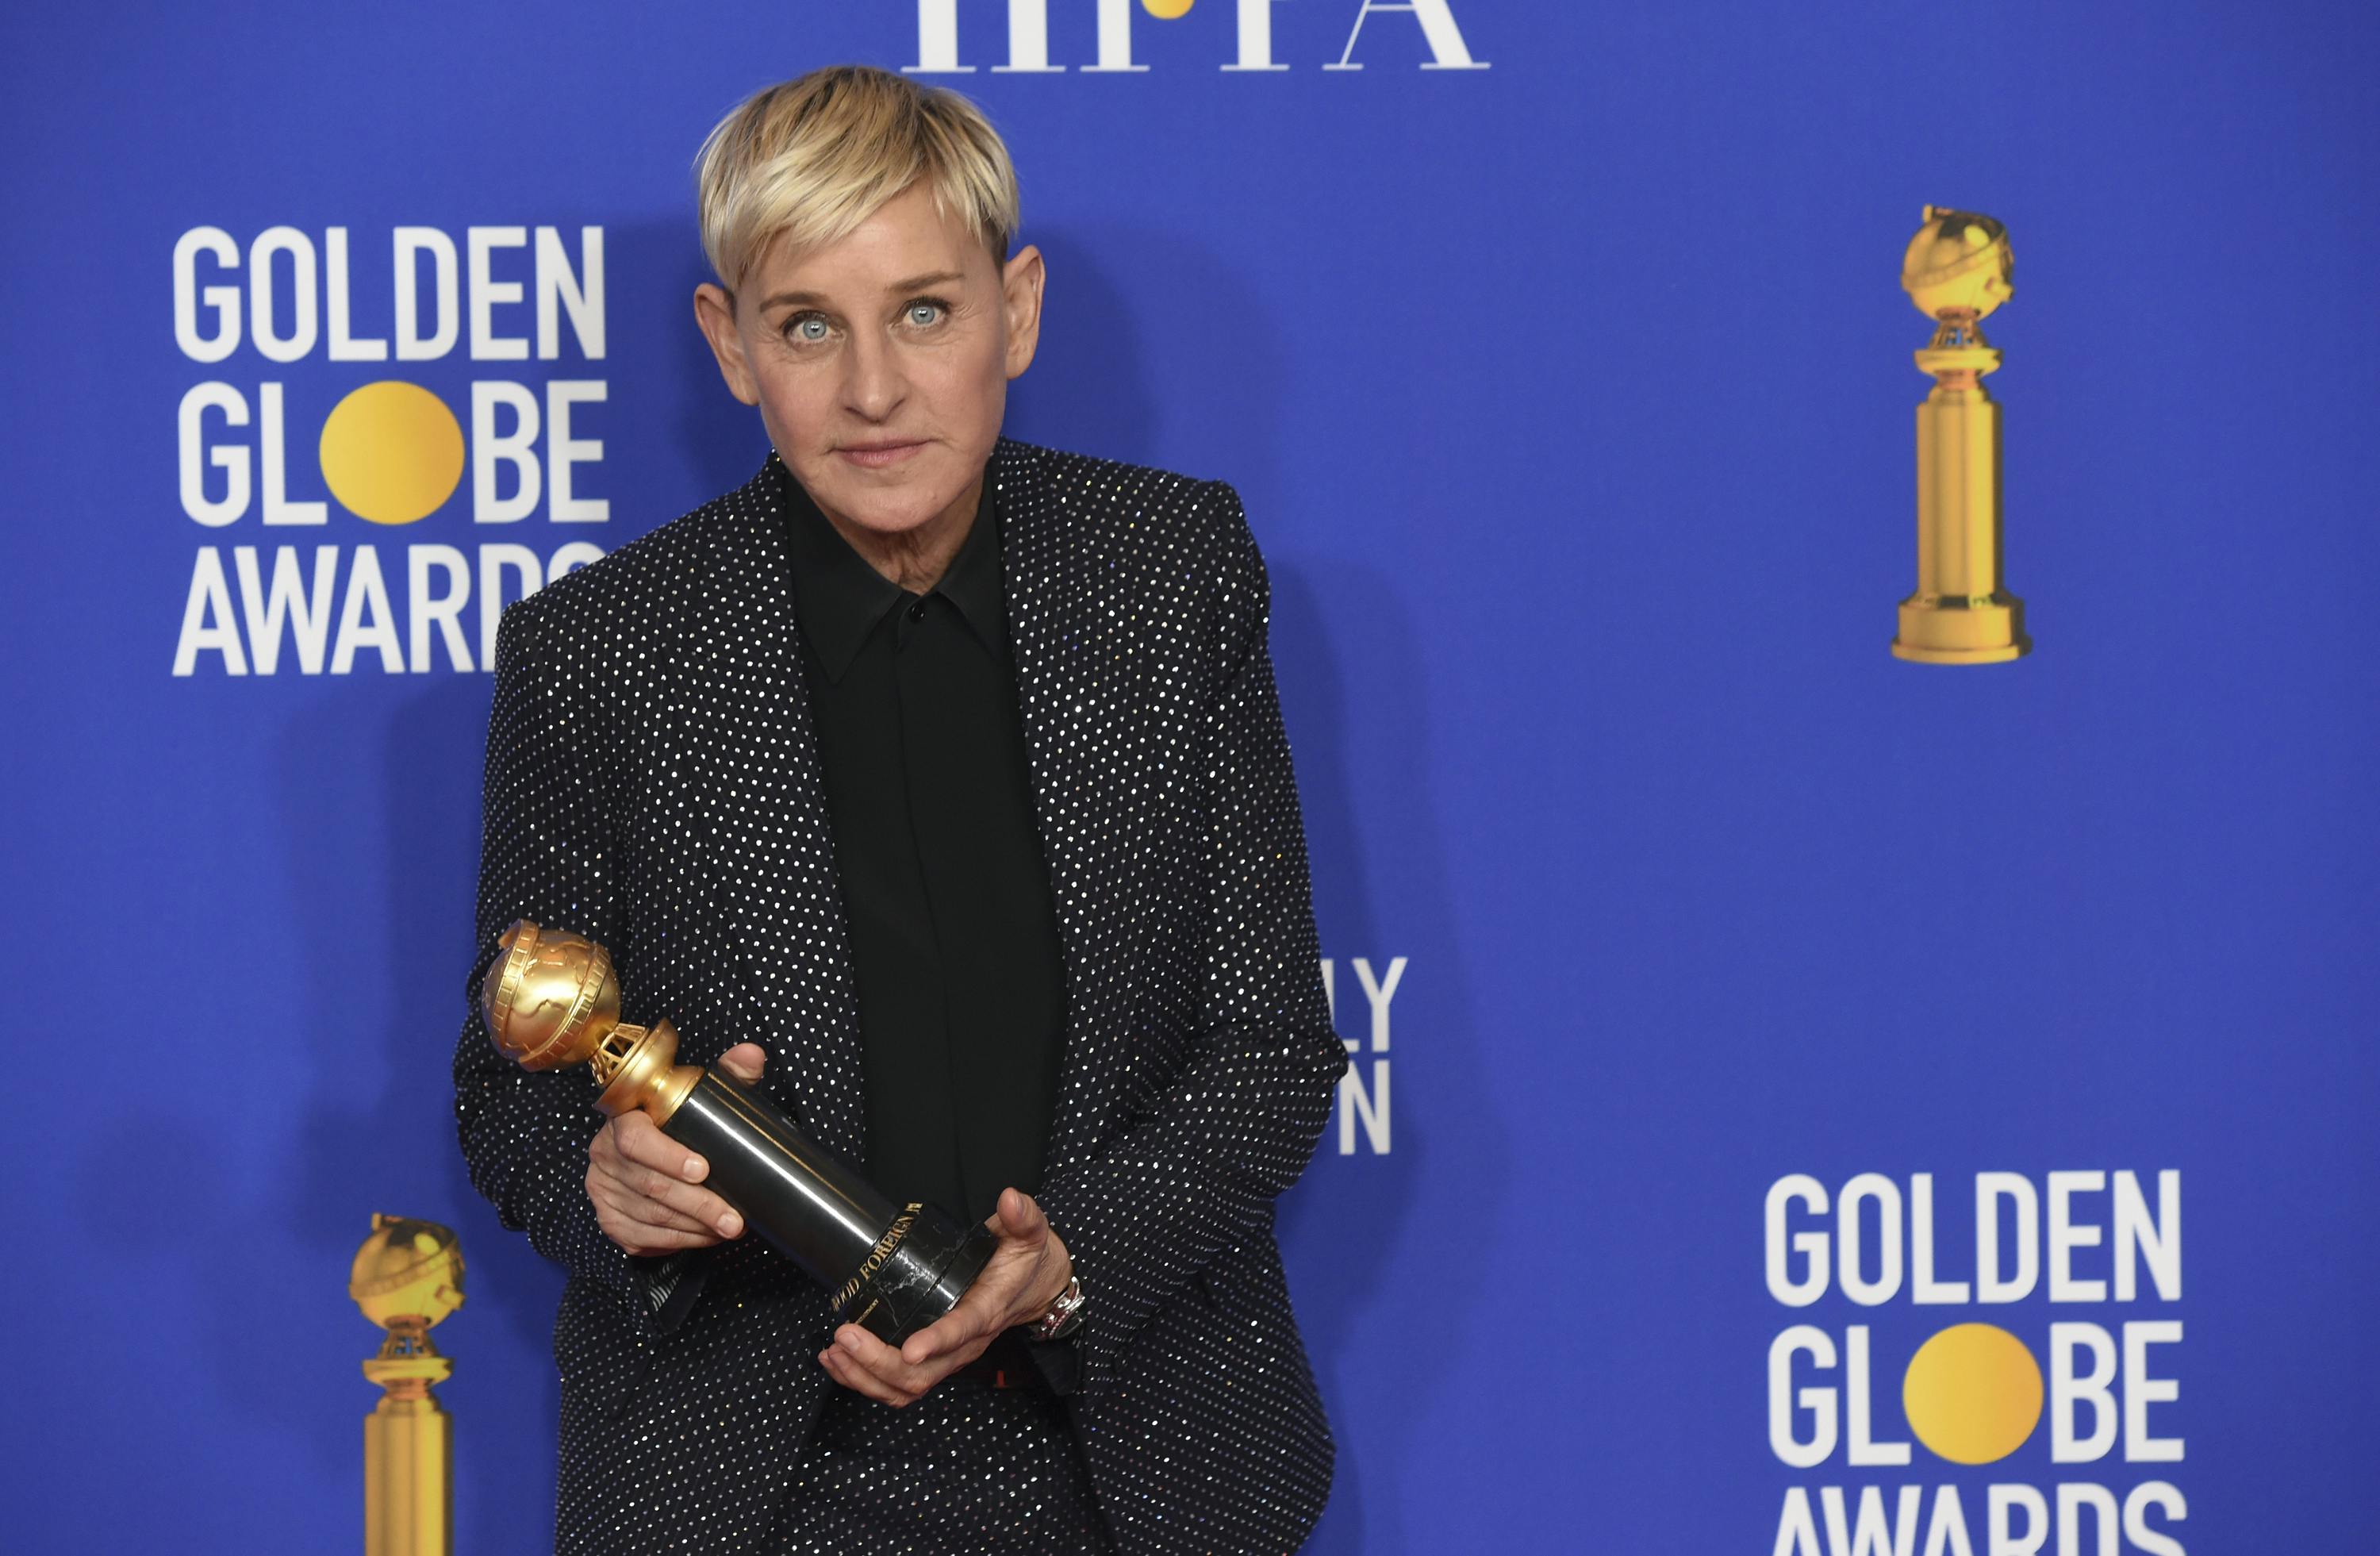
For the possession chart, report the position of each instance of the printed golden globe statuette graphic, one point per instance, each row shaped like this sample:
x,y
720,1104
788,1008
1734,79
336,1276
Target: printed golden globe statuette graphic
x,y
551,1000
407,1277
1957,270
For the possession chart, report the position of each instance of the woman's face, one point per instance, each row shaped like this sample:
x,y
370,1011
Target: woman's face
x,y
881,362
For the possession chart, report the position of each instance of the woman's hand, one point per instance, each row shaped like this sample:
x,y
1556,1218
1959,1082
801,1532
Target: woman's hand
x,y
1023,1276
643,1183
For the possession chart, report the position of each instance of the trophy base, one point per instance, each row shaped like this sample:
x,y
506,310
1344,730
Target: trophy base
x,y
1951,629
916,1273
1915,654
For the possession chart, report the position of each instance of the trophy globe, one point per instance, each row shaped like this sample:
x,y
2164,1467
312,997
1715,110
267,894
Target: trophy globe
x,y
407,1277
1958,267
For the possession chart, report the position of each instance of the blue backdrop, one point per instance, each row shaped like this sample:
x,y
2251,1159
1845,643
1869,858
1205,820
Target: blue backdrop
x,y
1570,394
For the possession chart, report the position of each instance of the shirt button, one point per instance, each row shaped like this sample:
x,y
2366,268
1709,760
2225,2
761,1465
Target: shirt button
x,y
917,611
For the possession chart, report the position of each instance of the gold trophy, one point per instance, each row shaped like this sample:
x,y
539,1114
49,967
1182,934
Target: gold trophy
x,y
1957,270
408,1275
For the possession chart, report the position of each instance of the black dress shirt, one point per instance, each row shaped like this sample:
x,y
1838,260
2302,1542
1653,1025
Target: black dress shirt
x,y
953,930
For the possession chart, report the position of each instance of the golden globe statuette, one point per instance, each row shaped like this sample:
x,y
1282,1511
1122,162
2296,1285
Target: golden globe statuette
x,y
551,1000
407,1276
1957,270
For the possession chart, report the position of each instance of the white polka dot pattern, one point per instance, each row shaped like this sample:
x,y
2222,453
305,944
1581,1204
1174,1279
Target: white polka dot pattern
x,y
653,783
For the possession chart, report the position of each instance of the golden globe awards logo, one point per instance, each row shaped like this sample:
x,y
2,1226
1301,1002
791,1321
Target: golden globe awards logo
x,y
2035,1400
1250,39
290,585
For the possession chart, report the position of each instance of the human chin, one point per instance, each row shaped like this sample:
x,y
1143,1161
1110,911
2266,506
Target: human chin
x,y
886,508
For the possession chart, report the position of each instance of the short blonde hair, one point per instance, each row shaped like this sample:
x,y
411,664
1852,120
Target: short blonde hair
x,y
806,161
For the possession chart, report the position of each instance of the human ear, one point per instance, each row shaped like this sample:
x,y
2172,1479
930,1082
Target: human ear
x,y
1020,288
714,314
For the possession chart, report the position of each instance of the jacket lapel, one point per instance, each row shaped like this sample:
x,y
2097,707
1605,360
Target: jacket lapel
x,y
769,840
1075,685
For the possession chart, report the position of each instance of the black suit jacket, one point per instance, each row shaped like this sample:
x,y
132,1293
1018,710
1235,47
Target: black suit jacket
x,y
653,783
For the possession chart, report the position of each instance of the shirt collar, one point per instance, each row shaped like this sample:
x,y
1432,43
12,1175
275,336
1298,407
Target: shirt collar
x,y
839,599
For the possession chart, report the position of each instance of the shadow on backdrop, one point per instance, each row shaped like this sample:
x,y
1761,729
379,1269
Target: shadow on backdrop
x,y
1362,1206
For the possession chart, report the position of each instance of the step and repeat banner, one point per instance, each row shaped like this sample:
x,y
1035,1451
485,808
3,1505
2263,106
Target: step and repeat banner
x,y
1801,1103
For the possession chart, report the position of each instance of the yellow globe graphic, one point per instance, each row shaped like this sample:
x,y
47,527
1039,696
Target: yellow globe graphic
x,y
1165,10
1972,1393
391,452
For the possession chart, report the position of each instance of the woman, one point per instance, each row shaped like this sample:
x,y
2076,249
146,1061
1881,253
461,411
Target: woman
x,y
937,782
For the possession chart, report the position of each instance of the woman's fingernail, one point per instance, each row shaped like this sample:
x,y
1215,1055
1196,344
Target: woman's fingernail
x,y
730,1226
693,1168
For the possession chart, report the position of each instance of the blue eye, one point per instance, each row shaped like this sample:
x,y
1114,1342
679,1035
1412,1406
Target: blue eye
x,y
809,329
923,313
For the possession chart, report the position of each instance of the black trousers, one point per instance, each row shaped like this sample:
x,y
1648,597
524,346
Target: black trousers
x,y
966,1471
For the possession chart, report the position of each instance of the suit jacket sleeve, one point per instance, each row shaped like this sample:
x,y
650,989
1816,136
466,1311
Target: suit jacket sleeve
x,y
546,855
1200,1172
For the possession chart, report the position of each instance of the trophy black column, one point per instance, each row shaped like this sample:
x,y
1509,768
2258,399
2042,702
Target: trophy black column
x,y
895,1267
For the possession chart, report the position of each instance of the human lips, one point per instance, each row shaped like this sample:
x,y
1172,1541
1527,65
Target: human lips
x,y
880,454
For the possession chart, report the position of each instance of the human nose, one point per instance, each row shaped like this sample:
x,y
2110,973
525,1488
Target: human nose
x,y
873,386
